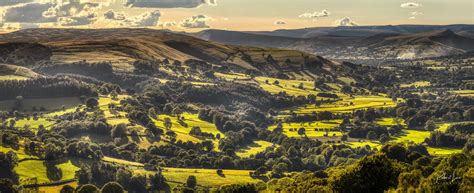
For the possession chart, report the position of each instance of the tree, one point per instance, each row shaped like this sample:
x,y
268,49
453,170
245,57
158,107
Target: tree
x,y
119,131
384,138
112,187
114,94
301,131
344,138
374,173
191,182
6,186
167,123
67,189
430,125
371,135
88,188
92,103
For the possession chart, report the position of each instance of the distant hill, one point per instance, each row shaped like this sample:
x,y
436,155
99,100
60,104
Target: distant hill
x,y
122,47
373,42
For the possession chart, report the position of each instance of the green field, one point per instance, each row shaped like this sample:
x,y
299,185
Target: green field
x,y
12,77
310,127
232,76
205,177
20,153
182,131
416,84
467,93
33,124
257,147
36,169
288,86
113,119
345,106
413,136
372,144
390,122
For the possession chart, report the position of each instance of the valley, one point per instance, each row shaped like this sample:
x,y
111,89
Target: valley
x,y
153,110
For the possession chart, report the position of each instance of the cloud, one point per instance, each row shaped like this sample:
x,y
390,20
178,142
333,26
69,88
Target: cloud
x,y
144,20
197,21
13,2
414,14
346,21
27,13
65,13
112,15
410,5
315,15
168,3
279,22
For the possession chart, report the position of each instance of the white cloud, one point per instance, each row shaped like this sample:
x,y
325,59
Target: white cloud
x,y
410,5
414,14
315,15
27,13
112,15
65,13
144,20
168,3
197,21
279,22
346,21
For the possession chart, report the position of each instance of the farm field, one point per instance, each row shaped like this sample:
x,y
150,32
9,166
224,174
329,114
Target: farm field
x,y
413,136
12,77
257,147
113,119
32,123
48,189
288,86
291,129
37,169
372,144
416,84
232,76
390,122
467,93
20,153
205,177
348,105
188,121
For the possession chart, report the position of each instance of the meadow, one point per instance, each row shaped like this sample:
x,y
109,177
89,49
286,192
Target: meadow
x,y
113,118
50,104
256,147
312,129
416,84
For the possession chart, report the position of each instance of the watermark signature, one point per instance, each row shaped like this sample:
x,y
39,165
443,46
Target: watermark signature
x,y
447,178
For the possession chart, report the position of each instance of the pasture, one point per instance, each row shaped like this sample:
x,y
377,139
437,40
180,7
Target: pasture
x,y
348,105
114,117
257,147
312,129
417,84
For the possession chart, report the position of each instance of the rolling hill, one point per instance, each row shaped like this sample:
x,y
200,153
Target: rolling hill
x,y
359,42
122,47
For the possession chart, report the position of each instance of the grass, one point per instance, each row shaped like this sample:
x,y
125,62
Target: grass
x,y
390,121
413,136
416,84
442,151
466,93
191,120
37,169
113,119
33,124
62,112
345,106
372,144
121,161
20,153
257,147
310,128
12,77
232,76
50,104
288,86
205,177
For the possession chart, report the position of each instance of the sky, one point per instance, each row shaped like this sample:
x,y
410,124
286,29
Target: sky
x,y
239,15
